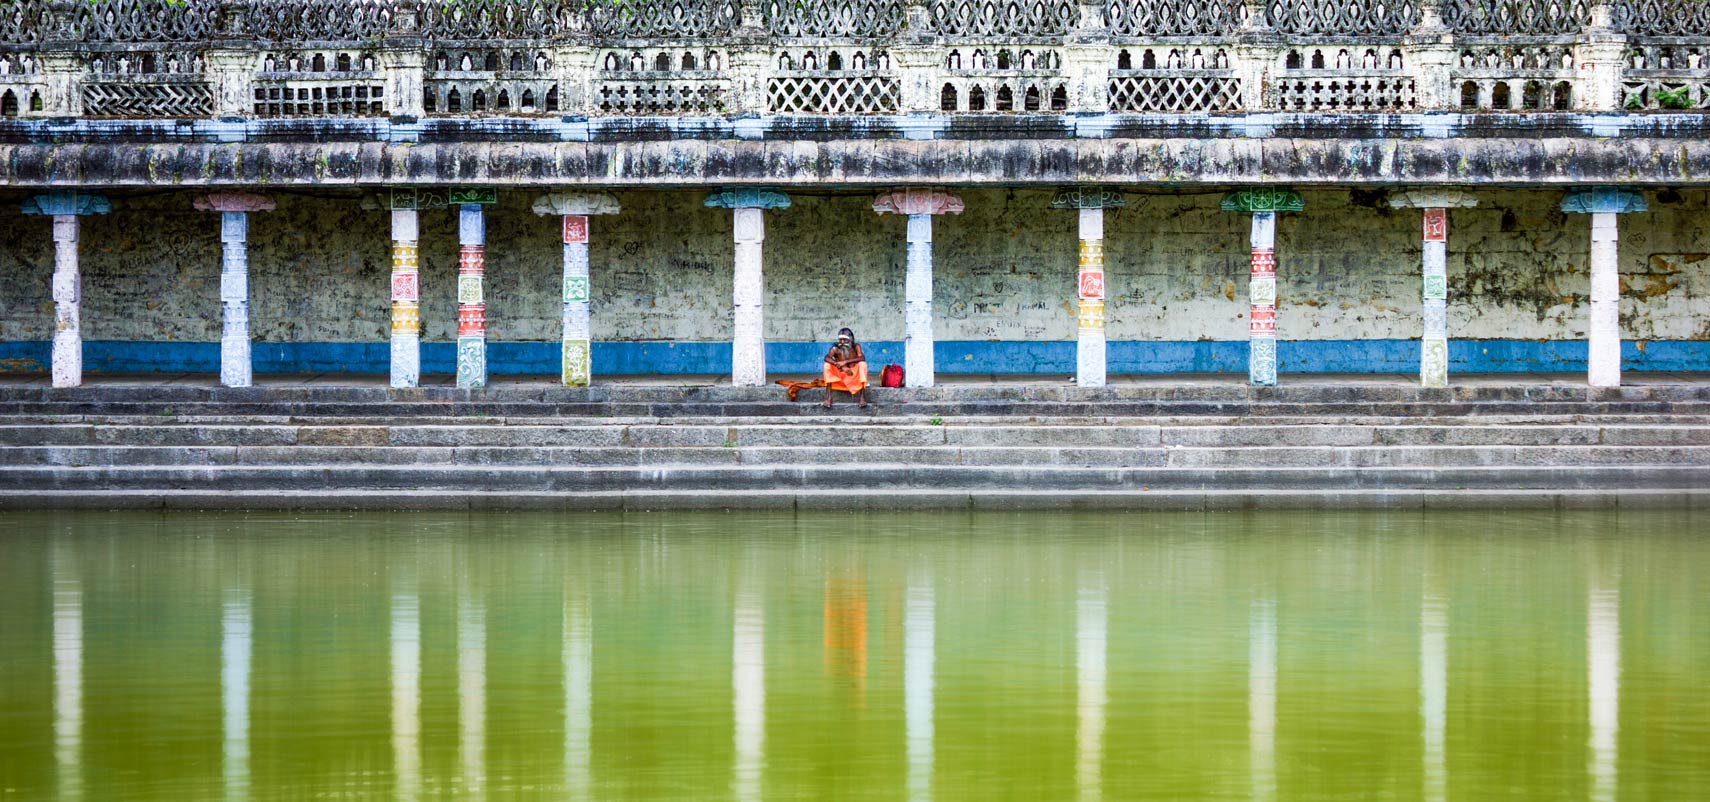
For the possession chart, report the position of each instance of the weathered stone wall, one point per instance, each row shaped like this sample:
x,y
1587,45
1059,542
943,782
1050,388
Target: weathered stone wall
x,y
1349,270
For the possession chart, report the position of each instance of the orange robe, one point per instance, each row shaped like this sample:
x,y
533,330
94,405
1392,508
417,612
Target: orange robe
x,y
851,381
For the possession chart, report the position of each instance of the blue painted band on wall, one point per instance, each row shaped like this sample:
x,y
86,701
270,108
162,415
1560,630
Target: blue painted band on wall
x,y
965,357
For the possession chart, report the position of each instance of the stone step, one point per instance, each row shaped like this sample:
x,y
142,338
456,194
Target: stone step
x,y
901,456
747,434
876,480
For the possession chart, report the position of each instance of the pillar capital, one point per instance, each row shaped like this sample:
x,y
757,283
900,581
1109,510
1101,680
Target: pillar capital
x,y
918,200
406,199
1432,199
747,198
1263,199
1087,197
1604,200
473,196
62,203
235,202
583,204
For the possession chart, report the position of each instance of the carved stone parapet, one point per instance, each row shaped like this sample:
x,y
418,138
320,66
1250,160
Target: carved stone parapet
x,y
1263,199
918,200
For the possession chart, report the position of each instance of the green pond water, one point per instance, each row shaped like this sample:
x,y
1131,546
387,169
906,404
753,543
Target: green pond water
x,y
713,656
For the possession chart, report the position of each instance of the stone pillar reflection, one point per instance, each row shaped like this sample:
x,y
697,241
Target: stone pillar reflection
x,y
1091,638
919,204
67,675
1262,699
1434,338
1089,203
748,691
576,369
471,285
578,695
234,207
1604,204
66,208
1434,689
472,692
920,648
407,692
1263,204
1603,685
748,343
237,648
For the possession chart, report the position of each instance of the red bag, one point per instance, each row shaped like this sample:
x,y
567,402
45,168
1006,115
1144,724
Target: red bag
x,y
892,376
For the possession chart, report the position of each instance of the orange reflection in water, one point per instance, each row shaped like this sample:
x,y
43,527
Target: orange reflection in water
x,y
846,630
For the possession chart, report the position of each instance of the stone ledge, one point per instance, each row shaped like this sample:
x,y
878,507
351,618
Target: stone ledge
x,y
1349,162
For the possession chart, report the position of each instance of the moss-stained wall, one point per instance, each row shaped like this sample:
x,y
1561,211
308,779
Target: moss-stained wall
x,y
1349,269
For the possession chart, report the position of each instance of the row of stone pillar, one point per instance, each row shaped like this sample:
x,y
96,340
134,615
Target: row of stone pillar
x,y
748,347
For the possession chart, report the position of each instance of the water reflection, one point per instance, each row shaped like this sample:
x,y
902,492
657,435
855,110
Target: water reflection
x,y
1434,688
919,648
1090,634
748,687
472,691
237,635
1262,698
406,691
67,674
578,695
1603,685
937,659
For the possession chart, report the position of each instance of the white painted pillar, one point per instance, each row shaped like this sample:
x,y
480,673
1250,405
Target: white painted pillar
x,y
748,342
920,647
576,368
1603,686
1262,699
1604,204
1091,639
234,207
471,297
406,298
748,688
1434,205
237,647
1090,350
578,696
67,284
67,676
919,204
1604,333
406,693
472,693
918,337
1263,204
67,304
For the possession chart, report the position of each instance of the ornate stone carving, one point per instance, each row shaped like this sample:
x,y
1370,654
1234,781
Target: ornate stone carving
x,y
56,204
1087,198
748,199
581,204
1263,199
1432,199
1005,17
1604,200
235,202
918,200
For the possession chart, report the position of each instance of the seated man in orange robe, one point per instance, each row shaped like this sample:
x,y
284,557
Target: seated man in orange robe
x,y
846,369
